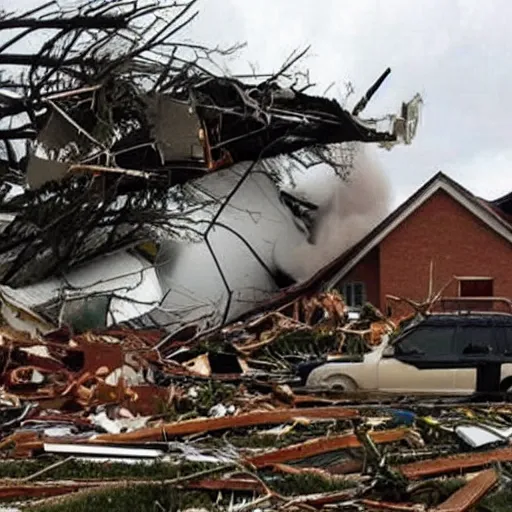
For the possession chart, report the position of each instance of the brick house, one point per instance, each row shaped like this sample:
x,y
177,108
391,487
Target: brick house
x,y
442,230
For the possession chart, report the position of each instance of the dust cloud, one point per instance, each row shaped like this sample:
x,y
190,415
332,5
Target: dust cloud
x,y
348,210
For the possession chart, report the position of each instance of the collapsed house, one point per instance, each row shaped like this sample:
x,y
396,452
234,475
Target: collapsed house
x,y
156,200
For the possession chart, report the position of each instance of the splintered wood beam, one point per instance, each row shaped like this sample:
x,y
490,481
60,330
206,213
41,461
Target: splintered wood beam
x,y
375,505
323,445
227,484
454,464
469,495
203,425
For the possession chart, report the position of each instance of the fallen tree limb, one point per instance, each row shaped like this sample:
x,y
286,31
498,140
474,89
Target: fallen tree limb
x,y
203,425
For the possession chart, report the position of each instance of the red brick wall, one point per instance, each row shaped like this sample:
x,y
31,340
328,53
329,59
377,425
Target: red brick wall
x,y
459,243
367,271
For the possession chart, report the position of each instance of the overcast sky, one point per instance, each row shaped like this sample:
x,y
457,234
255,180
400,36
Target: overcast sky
x,y
455,53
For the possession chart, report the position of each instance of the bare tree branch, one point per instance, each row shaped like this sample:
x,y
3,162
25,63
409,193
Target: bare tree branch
x,y
118,114
67,23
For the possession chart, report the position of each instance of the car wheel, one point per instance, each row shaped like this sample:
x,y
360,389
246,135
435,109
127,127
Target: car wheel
x,y
341,383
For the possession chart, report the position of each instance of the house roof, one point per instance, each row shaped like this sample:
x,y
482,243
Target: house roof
x,y
488,212
492,213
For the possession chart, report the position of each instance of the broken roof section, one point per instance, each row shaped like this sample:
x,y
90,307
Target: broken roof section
x,y
115,136
154,104
209,125
503,206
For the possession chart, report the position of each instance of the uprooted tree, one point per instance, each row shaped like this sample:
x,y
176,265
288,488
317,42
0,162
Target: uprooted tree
x,y
106,122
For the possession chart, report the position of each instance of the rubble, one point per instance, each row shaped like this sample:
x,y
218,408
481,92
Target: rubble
x,y
233,435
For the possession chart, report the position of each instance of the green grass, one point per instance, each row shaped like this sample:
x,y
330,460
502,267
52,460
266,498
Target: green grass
x,y
299,434
77,470
500,501
137,498
153,496
305,483
158,497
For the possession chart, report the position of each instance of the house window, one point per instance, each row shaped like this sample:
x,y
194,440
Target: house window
x,y
354,294
475,287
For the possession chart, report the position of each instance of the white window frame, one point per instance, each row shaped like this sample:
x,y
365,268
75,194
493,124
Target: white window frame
x,y
349,300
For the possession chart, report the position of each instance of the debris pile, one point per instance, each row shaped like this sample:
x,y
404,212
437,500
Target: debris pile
x,y
275,342
141,370
123,416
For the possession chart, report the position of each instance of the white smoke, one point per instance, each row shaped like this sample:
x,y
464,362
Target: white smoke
x,y
348,210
